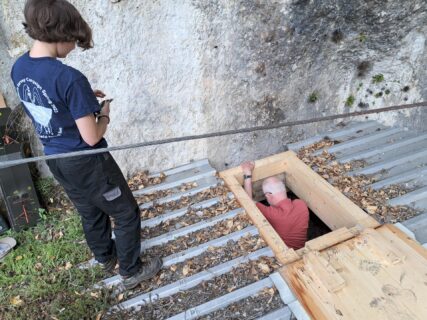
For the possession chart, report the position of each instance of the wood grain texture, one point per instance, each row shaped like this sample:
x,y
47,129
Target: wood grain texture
x,y
376,287
329,204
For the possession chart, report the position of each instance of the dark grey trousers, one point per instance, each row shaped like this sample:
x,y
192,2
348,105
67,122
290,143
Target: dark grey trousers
x,y
99,191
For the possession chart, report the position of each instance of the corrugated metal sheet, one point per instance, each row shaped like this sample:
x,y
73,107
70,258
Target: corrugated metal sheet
x,y
392,156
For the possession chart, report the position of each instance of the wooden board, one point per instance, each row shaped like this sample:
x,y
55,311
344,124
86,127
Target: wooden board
x,y
326,201
380,274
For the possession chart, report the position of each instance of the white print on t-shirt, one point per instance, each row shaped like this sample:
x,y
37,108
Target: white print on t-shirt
x,y
35,100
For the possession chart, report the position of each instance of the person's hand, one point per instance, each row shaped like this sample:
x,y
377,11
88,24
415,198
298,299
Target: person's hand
x,y
99,93
247,167
106,108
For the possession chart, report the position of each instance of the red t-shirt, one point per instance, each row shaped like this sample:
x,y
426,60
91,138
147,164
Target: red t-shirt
x,y
290,220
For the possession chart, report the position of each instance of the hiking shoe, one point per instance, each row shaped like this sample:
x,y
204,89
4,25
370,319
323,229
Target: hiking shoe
x,y
109,265
147,271
6,244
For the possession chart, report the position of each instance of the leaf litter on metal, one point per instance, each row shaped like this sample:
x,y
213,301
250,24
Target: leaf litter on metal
x,y
357,188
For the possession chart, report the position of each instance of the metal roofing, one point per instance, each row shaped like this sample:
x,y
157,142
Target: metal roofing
x,y
393,156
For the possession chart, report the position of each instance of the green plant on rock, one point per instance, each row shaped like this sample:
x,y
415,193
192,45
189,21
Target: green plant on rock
x,y
378,78
350,101
362,37
313,97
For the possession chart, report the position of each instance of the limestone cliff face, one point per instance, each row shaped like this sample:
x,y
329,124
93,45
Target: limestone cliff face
x,y
193,66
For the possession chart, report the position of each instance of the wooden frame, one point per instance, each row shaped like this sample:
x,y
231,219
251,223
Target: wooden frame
x,y
341,215
360,270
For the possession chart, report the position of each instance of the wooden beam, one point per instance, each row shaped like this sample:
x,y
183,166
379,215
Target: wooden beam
x,y
329,204
323,242
264,168
332,238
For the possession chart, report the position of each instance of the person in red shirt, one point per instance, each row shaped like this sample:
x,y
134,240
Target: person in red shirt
x,y
288,217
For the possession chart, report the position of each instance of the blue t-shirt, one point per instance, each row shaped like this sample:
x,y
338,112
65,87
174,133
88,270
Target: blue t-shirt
x,y
54,96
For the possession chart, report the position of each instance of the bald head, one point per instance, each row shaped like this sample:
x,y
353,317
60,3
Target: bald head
x,y
273,185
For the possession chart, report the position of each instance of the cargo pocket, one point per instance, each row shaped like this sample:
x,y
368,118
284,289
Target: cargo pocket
x,y
112,194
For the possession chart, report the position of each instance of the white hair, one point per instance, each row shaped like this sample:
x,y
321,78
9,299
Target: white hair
x,y
273,185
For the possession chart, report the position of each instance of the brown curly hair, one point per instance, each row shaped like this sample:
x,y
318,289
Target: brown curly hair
x,y
56,21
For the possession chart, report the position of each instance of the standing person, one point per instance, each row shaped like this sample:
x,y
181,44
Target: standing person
x,y
288,217
67,117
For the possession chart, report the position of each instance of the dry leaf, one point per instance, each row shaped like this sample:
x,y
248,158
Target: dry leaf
x,y
264,267
120,297
173,267
94,294
18,258
185,270
371,209
230,224
68,266
16,301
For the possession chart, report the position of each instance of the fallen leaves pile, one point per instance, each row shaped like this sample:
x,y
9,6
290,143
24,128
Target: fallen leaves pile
x,y
191,217
142,180
253,307
356,188
157,209
239,277
202,236
164,193
212,257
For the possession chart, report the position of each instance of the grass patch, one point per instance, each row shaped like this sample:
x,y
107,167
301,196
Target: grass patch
x,y
40,280
378,78
362,37
350,101
313,97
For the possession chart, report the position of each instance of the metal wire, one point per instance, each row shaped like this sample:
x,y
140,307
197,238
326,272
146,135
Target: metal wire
x,y
10,163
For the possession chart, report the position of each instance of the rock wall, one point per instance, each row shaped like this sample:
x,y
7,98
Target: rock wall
x,y
194,66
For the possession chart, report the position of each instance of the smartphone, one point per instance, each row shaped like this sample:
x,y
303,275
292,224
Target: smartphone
x,y
103,102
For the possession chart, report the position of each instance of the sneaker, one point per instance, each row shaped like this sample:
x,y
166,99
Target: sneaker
x,y
147,271
109,265
6,244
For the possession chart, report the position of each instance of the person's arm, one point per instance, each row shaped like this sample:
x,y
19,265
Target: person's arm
x,y
93,129
248,168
